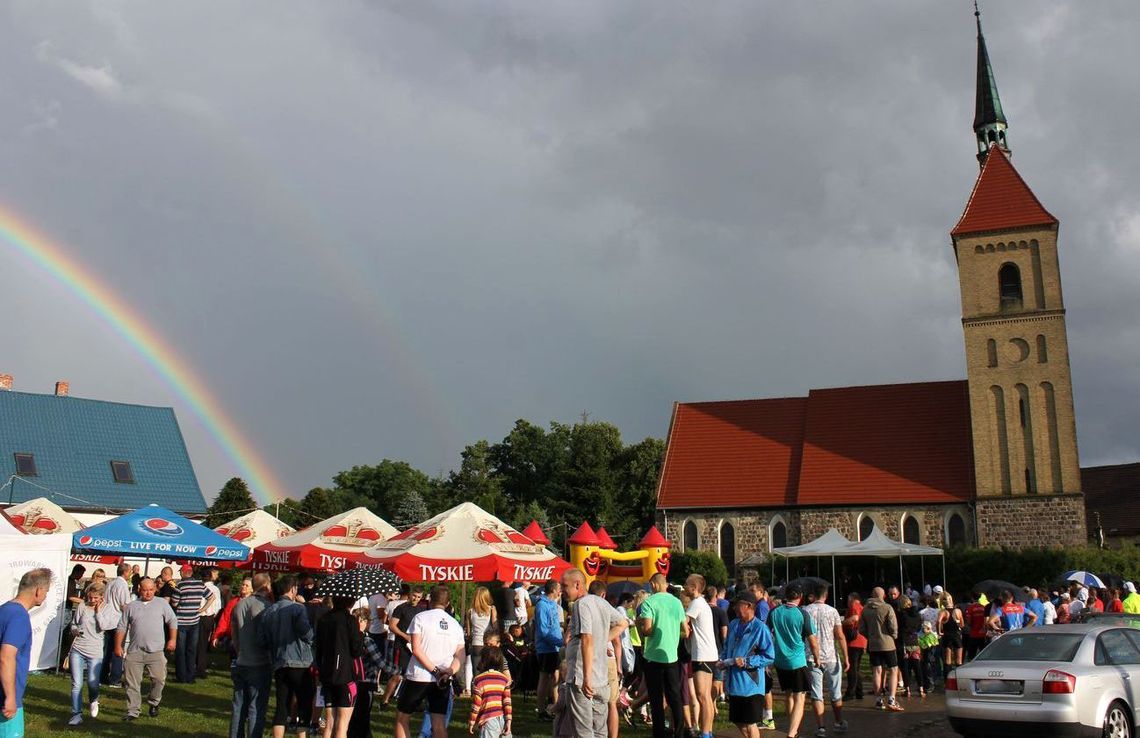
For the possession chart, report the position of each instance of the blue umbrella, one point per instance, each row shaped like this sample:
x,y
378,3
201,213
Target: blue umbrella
x,y
153,531
1084,577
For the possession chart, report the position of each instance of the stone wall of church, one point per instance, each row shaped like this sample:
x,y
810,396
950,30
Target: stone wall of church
x,y
1029,521
753,526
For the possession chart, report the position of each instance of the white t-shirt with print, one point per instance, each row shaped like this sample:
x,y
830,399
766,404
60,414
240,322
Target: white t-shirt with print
x,y
376,603
440,634
825,617
702,639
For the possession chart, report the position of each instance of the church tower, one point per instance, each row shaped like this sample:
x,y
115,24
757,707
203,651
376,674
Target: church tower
x,y
1027,473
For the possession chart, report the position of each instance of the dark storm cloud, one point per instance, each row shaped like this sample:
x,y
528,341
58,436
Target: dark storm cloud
x,y
389,229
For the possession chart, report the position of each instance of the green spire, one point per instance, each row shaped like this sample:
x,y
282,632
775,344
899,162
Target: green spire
x,y
989,120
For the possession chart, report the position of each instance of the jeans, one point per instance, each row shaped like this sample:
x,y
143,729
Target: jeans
x,y
251,701
425,729
83,668
186,654
112,672
664,680
205,633
854,680
493,728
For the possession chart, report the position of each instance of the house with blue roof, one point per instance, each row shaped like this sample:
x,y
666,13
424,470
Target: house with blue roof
x,y
92,455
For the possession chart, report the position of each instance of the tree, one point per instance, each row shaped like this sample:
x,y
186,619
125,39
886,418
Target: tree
x,y
381,487
638,468
475,481
232,501
705,563
410,511
320,503
289,512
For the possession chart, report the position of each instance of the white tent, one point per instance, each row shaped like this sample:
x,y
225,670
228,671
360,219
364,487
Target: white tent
x,y
19,553
833,543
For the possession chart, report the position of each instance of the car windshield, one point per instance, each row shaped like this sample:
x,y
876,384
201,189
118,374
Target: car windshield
x,y
1033,645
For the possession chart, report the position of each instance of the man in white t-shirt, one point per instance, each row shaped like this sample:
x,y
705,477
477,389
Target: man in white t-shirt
x,y
703,651
829,671
437,656
378,622
522,590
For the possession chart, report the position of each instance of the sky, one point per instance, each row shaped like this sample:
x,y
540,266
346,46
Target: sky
x,y
386,230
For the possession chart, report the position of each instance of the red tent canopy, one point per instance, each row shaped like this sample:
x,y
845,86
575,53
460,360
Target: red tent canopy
x,y
330,545
464,544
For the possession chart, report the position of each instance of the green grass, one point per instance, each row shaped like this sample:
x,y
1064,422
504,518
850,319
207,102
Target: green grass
x,y
203,709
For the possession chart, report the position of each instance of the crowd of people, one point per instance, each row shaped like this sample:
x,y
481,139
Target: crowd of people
x,y
595,658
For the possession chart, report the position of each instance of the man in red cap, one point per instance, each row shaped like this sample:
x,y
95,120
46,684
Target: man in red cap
x,y
187,601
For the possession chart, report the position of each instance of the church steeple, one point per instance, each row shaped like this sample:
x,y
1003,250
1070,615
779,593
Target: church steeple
x,y
989,120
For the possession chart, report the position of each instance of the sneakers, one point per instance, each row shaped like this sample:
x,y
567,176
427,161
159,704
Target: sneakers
x,y
879,703
76,719
821,732
95,709
840,727
894,707
768,724
153,711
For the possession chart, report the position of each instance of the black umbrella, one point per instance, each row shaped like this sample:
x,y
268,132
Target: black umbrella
x,y
992,589
807,585
1112,580
357,583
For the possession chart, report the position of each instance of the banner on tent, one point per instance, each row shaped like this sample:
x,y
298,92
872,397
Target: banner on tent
x,y
50,552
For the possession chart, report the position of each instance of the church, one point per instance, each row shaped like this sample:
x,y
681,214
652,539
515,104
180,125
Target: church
x,y
986,461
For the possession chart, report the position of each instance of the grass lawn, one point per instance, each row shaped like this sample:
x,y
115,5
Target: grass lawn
x,y
203,709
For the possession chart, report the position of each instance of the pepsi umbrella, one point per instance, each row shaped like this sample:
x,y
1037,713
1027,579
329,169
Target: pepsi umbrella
x,y
1086,578
153,531
357,583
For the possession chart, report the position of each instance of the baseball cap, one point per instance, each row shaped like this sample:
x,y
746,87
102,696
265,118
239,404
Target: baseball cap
x,y
187,570
937,589
1083,595
745,597
1130,586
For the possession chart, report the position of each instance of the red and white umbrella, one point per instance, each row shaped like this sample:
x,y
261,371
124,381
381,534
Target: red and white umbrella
x,y
41,516
250,530
464,544
330,545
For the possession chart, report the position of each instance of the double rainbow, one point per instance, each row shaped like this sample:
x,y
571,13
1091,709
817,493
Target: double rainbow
x,y
148,342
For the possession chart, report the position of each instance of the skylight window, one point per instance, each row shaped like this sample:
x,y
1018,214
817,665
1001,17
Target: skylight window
x,y
121,470
26,465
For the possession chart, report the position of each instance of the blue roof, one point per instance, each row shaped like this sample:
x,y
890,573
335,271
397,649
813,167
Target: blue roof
x,y
74,441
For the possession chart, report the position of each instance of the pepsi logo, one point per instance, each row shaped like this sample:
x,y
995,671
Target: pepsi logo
x,y
162,527
85,540
211,550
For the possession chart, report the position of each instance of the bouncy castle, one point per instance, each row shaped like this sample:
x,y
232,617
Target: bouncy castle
x,y
595,554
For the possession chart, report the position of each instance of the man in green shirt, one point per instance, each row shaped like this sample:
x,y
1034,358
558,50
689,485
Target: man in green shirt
x,y
1132,601
662,624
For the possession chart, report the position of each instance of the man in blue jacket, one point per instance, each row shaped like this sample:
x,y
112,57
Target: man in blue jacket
x,y
286,632
547,642
748,651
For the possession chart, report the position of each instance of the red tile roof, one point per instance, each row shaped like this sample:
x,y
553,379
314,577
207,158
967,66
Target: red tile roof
x,y
900,443
904,443
733,454
1001,200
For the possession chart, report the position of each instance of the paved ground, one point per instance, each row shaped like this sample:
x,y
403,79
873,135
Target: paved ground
x,y
925,717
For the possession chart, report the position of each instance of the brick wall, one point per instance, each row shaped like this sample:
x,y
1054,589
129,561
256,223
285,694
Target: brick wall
x,y
1027,521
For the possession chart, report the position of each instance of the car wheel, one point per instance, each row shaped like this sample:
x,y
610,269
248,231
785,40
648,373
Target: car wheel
x,y
1117,724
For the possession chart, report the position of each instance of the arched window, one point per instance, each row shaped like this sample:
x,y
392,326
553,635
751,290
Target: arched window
x,y
910,531
955,530
689,536
779,535
728,547
866,525
1009,286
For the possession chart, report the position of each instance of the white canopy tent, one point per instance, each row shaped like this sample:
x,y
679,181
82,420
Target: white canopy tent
x,y
833,543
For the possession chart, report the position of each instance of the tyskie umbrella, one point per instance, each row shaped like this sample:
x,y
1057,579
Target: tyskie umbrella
x,y
357,583
1086,578
465,544
41,516
153,531
325,546
250,530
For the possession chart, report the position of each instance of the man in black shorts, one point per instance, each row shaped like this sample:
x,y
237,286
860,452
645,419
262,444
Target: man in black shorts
x,y
437,656
399,623
880,627
793,633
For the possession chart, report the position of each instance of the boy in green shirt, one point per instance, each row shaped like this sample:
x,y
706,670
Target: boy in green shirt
x,y
662,624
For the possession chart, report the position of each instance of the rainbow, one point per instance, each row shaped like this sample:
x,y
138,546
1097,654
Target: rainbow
x,y
173,369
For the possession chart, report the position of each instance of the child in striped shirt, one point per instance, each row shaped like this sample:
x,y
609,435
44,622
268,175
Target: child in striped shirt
x,y
490,696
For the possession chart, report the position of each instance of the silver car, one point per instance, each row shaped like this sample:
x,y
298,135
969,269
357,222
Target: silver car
x,y
1078,681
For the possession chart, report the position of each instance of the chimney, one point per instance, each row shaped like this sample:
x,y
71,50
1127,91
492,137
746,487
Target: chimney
x,y
5,381
61,389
